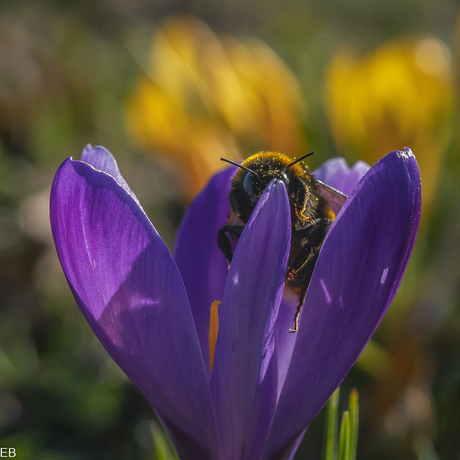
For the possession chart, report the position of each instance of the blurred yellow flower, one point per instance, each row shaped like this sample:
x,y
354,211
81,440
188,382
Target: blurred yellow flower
x,y
204,97
400,95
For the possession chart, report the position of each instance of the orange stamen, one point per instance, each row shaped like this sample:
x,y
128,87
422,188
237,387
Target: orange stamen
x,y
213,329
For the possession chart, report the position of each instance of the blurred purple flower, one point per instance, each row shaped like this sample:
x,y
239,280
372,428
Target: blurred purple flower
x,y
152,313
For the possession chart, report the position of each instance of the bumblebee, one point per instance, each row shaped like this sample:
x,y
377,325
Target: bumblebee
x,y
314,206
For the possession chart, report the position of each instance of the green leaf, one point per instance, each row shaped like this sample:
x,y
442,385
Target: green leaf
x,y
331,427
353,408
161,444
345,438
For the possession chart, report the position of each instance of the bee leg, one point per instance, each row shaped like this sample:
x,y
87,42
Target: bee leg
x,y
303,294
225,243
304,262
315,232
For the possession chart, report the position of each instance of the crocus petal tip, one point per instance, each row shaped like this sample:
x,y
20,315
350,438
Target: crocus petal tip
x,y
407,153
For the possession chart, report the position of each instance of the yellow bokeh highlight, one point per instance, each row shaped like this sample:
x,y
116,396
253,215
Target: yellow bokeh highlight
x,y
204,97
400,95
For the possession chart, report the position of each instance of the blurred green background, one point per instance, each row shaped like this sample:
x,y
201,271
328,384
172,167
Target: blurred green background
x,y
168,94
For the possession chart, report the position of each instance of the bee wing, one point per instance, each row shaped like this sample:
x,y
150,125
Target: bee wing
x,y
334,198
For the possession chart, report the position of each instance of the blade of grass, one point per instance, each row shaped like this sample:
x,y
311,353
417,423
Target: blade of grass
x,y
331,427
162,447
353,408
345,438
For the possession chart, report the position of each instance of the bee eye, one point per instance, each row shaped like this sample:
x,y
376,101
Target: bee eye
x,y
248,185
284,178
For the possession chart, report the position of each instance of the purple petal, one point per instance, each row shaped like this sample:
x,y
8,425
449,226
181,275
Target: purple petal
x,y
130,291
244,377
295,445
285,342
202,265
100,158
336,173
359,269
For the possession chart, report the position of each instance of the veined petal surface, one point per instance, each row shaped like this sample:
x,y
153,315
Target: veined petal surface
x,y
357,274
201,263
100,158
337,174
131,293
244,378
285,342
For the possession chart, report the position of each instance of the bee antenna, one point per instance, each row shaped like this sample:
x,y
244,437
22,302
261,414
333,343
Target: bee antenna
x,y
242,167
297,161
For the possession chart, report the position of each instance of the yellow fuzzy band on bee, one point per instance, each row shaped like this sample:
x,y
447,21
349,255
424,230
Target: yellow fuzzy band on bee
x,y
277,160
329,213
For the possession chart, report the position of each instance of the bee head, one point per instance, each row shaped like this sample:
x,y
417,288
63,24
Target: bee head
x,y
253,177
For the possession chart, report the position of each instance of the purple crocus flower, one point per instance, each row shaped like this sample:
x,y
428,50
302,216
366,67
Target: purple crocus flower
x,y
152,311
